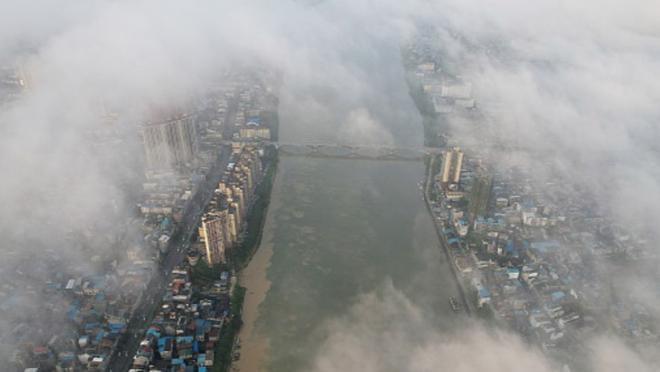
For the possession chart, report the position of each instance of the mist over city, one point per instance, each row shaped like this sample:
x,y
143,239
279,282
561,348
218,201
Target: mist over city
x,y
467,185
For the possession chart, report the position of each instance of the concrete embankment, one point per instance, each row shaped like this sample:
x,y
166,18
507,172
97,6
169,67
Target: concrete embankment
x,y
255,345
468,305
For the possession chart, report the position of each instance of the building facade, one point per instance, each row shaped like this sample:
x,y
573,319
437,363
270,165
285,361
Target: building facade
x,y
212,232
170,143
452,162
226,214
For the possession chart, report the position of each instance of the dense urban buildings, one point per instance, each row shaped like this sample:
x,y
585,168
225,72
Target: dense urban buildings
x,y
214,232
452,161
195,315
190,176
170,142
529,252
139,146
227,211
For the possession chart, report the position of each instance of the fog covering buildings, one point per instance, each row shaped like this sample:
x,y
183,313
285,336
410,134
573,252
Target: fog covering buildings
x,y
92,305
170,142
572,82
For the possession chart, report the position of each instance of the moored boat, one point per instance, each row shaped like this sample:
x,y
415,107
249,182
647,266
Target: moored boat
x,y
455,305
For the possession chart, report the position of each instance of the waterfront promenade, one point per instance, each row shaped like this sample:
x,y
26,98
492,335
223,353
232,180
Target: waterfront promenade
x,y
428,182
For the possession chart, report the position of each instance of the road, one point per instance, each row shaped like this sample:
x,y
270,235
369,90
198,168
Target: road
x,y
467,305
122,357
129,342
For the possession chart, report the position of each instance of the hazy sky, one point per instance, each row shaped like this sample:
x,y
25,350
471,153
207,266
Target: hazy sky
x,y
576,81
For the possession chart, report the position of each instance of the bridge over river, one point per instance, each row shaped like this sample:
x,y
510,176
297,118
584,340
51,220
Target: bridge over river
x,y
374,152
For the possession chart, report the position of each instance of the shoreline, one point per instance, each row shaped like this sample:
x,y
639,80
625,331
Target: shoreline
x,y
253,276
254,346
459,282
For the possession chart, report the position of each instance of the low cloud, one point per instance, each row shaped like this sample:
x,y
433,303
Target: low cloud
x,y
360,128
385,331
573,83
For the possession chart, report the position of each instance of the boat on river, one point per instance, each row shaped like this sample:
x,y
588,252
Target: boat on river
x,y
455,305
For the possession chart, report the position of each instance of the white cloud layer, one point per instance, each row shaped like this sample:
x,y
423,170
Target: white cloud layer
x,y
576,81
384,331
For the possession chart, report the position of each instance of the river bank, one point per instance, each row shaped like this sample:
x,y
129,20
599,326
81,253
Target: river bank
x,y
254,344
443,240
339,230
240,257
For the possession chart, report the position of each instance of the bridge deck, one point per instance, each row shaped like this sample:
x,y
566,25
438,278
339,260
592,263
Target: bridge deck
x,y
356,152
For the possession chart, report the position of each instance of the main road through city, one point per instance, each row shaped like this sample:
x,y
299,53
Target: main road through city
x,y
128,344
122,358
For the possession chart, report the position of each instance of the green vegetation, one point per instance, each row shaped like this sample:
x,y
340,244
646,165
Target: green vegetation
x,y
474,239
461,203
240,255
222,358
479,196
271,120
437,165
203,275
485,312
434,124
237,297
422,101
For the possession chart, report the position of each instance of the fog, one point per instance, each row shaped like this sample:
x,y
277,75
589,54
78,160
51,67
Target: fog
x,y
384,331
572,85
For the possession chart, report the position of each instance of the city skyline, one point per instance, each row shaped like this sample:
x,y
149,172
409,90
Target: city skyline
x,y
537,122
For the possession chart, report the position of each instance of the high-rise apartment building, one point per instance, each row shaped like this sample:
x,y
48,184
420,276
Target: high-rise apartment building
x,y
227,211
170,143
213,230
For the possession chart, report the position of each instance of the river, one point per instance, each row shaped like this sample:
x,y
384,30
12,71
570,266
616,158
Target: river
x,y
339,229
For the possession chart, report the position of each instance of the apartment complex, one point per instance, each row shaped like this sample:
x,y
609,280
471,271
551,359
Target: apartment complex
x,y
226,213
452,161
170,142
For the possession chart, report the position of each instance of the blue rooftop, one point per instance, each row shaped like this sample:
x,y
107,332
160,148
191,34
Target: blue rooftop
x,y
184,339
165,223
557,296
